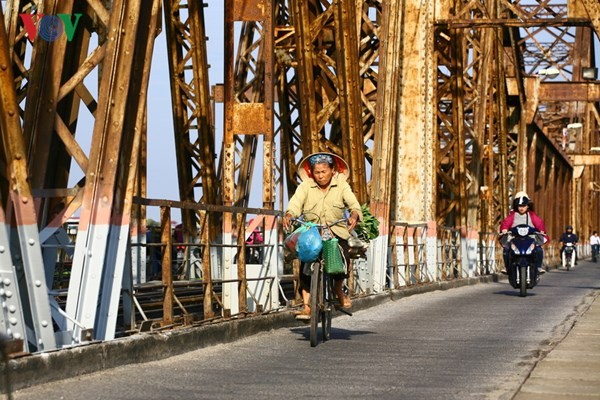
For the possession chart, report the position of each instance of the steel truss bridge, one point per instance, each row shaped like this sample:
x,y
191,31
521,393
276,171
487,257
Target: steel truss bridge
x,y
443,110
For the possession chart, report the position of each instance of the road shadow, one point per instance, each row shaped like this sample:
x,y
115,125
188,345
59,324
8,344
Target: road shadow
x,y
336,333
515,292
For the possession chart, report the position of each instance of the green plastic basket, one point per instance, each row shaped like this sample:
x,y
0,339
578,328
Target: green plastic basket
x,y
334,263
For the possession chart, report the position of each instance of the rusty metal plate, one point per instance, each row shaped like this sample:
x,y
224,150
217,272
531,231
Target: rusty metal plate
x,y
218,92
570,91
586,159
249,10
250,119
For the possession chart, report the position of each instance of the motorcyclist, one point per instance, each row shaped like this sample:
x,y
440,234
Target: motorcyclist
x,y
569,237
523,214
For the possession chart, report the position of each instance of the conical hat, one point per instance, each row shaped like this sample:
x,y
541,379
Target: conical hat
x,y
341,166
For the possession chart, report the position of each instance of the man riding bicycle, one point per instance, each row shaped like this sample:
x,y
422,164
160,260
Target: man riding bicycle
x,y
323,197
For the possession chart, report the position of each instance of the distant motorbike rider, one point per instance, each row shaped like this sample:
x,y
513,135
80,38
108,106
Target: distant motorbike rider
x,y
523,214
569,237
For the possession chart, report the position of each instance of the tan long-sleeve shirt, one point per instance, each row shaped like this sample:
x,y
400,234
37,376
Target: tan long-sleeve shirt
x,y
325,207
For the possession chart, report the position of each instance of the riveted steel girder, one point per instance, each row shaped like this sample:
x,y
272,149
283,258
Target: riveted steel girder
x,y
490,102
470,114
99,259
248,117
326,37
192,108
25,245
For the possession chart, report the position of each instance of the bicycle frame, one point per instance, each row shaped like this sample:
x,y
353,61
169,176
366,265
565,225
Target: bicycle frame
x,y
321,295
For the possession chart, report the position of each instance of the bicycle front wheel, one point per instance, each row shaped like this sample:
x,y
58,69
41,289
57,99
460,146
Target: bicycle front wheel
x,y
316,293
327,307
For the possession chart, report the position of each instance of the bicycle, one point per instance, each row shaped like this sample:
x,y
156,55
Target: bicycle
x,y
322,301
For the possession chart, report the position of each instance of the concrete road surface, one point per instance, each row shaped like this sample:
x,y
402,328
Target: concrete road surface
x,y
474,342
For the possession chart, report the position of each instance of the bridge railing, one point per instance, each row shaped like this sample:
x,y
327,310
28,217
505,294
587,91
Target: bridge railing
x,y
407,265
449,254
489,258
186,282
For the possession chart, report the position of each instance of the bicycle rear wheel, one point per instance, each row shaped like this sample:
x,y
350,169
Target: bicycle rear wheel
x,y
316,294
327,307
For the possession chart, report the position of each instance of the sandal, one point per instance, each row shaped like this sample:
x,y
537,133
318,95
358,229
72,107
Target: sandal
x,y
302,314
303,317
345,302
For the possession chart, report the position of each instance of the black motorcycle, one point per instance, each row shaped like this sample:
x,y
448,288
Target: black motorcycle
x,y
521,242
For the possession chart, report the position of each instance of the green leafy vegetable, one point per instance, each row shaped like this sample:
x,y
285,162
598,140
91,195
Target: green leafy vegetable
x,y
368,228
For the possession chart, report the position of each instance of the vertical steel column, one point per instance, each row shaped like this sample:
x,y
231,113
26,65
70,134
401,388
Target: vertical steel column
x,y
166,238
349,94
25,237
229,291
288,101
192,115
12,316
118,256
206,266
248,114
329,95
96,264
414,196
384,152
304,34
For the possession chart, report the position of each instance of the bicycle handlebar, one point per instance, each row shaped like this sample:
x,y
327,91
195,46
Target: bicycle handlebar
x,y
301,221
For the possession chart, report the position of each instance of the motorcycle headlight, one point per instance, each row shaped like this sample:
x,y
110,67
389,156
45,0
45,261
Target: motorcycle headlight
x,y
531,248
515,248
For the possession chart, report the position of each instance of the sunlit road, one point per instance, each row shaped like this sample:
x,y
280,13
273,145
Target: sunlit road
x,y
477,342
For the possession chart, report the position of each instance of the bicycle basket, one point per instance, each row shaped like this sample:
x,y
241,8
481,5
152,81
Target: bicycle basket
x,y
334,263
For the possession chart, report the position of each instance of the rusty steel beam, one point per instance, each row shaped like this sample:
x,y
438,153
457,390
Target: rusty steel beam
x,y
248,116
24,237
287,129
98,254
192,116
589,159
166,265
330,99
466,119
564,34
569,91
592,9
382,203
21,49
350,104
51,112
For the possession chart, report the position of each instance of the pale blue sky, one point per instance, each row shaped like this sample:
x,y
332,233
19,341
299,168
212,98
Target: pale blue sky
x,y
162,168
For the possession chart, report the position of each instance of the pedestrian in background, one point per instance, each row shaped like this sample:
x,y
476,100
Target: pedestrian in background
x,y
595,243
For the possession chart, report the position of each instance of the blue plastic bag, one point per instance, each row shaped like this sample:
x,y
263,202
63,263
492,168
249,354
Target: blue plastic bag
x,y
309,245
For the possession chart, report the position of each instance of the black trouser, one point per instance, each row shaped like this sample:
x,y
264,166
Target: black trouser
x,y
595,248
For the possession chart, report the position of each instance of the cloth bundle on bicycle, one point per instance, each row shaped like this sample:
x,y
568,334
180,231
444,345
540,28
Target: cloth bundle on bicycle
x,y
309,244
334,263
291,241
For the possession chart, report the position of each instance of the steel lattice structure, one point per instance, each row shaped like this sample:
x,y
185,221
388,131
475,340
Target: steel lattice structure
x,y
444,110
